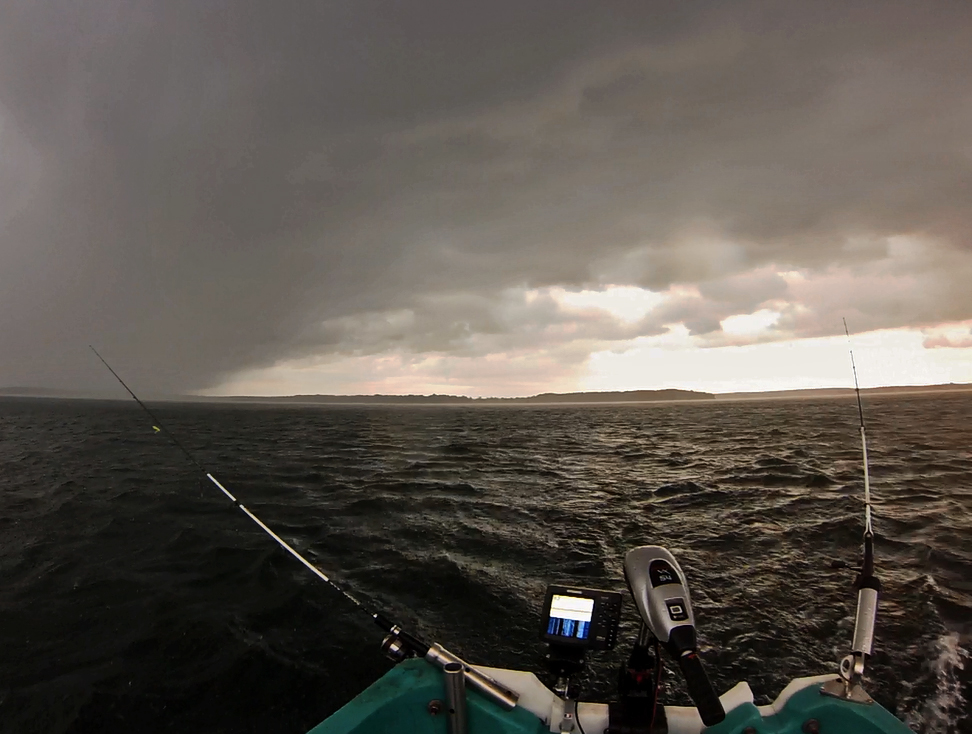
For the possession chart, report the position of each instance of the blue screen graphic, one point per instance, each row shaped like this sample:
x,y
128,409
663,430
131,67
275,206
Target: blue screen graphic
x,y
570,616
568,628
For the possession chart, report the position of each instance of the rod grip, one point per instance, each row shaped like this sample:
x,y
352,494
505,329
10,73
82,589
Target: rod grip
x,y
700,689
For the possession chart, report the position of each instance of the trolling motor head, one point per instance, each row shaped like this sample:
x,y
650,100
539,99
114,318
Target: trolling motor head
x,y
661,594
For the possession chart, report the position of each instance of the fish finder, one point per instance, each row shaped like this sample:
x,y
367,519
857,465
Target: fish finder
x,y
580,618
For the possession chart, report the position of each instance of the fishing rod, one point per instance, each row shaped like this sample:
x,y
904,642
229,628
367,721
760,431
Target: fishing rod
x,y
398,644
867,584
868,530
160,428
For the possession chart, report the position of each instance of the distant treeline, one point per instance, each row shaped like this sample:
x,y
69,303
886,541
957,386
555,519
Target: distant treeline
x,y
845,392
627,396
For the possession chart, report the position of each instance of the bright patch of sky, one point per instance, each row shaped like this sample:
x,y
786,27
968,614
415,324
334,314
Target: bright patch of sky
x,y
670,360
893,357
626,303
750,324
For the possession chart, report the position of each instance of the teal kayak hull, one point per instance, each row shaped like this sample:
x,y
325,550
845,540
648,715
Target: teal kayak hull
x,y
833,716
399,703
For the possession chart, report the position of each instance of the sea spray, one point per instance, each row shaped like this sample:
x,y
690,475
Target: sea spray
x,y
942,712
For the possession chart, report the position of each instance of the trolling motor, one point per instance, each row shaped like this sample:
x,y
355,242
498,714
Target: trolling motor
x,y
661,594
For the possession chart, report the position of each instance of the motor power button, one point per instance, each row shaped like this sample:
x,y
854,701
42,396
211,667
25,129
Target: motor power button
x,y
677,610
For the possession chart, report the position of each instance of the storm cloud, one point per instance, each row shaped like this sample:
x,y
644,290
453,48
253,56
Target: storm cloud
x,y
201,189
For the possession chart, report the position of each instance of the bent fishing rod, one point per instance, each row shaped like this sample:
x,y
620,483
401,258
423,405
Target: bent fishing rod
x,y
398,644
867,584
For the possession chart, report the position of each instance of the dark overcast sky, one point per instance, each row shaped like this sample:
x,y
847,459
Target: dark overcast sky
x,y
204,188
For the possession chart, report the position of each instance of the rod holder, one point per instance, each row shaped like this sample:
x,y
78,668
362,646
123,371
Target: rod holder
x,y
491,689
455,688
867,601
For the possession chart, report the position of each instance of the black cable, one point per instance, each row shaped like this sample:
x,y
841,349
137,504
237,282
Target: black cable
x,y
658,675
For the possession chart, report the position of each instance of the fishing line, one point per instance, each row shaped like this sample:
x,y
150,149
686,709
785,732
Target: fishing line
x,y
160,428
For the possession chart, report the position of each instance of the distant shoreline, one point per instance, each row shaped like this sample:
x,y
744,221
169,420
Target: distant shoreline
x,y
575,398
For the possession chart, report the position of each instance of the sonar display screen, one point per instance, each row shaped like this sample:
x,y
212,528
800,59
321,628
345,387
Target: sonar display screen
x,y
570,616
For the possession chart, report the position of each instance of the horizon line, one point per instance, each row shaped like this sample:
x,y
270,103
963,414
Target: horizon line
x,y
41,392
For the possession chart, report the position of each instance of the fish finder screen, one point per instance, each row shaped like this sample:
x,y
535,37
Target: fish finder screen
x,y
580,618
570,616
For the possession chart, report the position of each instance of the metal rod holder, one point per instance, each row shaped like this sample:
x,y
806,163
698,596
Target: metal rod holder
x,y
491,689
455,688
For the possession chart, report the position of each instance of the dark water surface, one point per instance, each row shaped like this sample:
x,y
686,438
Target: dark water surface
x,y
134,597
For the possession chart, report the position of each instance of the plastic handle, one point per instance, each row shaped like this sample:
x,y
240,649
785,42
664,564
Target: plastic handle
x,y
699,688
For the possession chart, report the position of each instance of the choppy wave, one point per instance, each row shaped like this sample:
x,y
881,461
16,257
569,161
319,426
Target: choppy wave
x,y
136,598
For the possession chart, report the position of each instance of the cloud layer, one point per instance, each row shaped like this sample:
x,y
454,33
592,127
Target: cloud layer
x,y
205,190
